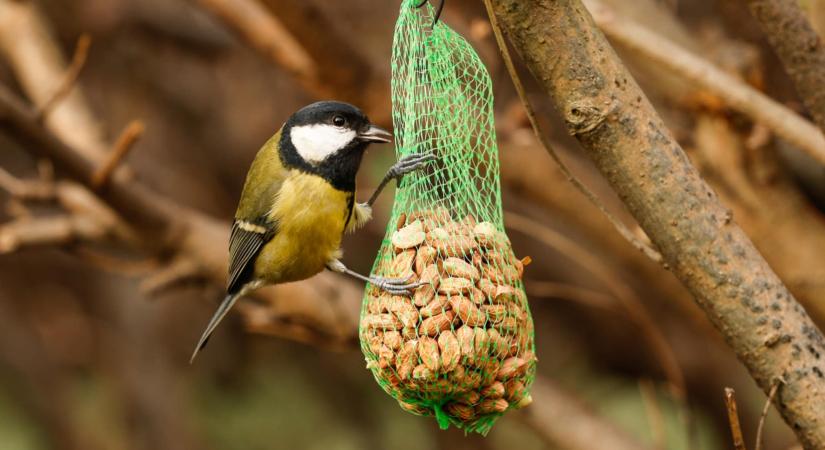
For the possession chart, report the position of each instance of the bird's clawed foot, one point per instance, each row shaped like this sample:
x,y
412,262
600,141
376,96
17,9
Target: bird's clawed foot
x,y
409,163
395,286
405,165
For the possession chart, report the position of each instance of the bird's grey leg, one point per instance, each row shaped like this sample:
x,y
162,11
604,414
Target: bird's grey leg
x,y
404,166
395,286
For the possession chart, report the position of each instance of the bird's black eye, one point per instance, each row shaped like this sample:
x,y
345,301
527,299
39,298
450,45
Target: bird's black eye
x,y
339,121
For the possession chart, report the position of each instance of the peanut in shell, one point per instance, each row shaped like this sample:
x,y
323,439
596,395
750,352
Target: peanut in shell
x,y
454,285
437,305
492,406
461,411
408,237
467,311
459,268
431,326
495,390
449,349
428,352
382,321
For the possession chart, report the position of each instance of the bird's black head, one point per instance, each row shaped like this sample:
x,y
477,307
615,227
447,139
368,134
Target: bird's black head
x,y
328,139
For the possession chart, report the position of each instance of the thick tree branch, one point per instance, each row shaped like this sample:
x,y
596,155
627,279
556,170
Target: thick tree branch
x,y
619,129
799,47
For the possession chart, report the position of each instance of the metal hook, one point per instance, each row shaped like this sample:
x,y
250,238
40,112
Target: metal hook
x,y
437,11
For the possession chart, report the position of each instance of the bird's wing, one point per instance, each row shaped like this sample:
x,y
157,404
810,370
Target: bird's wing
x,y
245,242
253,227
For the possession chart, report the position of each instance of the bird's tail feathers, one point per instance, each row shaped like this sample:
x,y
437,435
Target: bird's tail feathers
x,y
223,308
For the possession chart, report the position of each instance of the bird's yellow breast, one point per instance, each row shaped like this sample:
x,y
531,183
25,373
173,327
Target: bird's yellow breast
x,y
311,216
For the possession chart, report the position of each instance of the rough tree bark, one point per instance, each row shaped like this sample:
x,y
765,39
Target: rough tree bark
x,y
799,47
616,125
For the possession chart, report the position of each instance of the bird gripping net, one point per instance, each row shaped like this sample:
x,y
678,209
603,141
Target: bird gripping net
x,y
459,347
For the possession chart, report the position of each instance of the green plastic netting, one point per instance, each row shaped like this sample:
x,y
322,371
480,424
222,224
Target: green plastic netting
x,y
461,347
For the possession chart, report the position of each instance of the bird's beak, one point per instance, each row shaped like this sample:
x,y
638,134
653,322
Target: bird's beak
x,y
375,134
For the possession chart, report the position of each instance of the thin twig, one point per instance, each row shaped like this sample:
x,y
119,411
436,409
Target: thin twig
x,y
733,418
25,189
122,146
565,291
174,273
57,230
645,248
114,264
774,388
10,183
81,52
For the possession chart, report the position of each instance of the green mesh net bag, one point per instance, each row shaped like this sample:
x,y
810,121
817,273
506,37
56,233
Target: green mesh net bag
x,y
460,347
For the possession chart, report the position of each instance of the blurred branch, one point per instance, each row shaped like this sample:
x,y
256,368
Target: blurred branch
x,y
734,92
799,47
266,34
327,64
81,51
175,272
85,217
611,117
122,146
569,424
57,230
343,67
26,189
582,295
38,64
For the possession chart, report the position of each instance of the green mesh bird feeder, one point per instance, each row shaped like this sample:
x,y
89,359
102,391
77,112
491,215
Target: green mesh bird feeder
x,y
459,347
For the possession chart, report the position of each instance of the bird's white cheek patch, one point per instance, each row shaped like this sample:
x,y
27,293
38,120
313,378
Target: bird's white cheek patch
x,y
315,142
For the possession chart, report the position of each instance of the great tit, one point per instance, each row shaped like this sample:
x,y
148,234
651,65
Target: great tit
x,y
299,199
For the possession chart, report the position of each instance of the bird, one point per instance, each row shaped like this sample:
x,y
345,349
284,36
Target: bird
x,y
298,201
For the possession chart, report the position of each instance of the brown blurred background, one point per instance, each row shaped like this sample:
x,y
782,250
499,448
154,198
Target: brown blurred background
x,y
94,341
